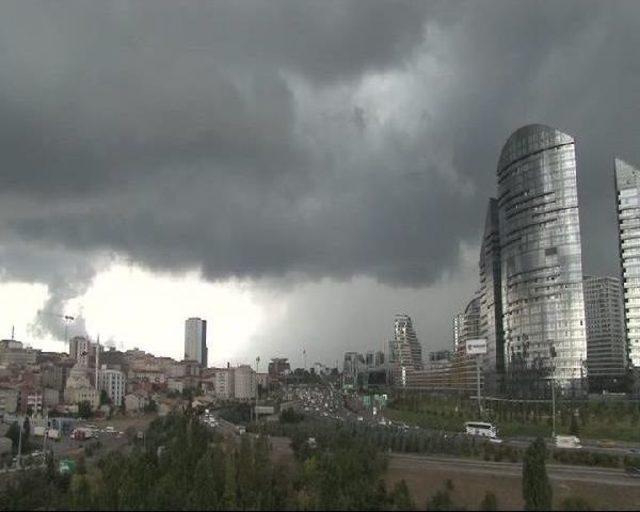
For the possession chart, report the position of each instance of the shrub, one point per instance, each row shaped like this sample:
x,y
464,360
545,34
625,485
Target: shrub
x,y
489,502
575,503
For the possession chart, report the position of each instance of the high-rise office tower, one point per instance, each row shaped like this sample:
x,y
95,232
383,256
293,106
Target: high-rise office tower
x,y
471,322
628,195
195,340
491,299
466,325
606,341
406,350
369,359
541,257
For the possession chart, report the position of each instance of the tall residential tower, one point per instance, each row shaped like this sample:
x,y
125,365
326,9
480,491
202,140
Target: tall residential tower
x,y
628,194
406,350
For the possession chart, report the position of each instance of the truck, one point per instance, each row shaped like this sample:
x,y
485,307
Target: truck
x,y
53,433
567,442
39,431
78,435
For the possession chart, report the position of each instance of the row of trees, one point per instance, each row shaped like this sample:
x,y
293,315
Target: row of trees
x,y
616,419
184,465
437,442
462,407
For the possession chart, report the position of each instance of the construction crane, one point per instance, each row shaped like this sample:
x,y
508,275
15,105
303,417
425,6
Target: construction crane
x,y
66,318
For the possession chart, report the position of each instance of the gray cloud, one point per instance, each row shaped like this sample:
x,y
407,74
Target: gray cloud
x,y
307,139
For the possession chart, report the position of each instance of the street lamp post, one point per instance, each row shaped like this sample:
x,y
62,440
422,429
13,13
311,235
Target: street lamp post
x,y
20,443
552,351
255,408
478,384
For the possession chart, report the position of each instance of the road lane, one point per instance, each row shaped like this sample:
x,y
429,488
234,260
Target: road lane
x,y
556,471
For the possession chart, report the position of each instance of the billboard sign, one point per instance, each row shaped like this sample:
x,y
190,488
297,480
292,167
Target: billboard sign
x,y
476,346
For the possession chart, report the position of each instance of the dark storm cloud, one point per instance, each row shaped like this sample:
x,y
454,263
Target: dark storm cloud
x,y
264,140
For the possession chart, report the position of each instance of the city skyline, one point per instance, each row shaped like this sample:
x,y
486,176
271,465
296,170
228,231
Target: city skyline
x,y
345,173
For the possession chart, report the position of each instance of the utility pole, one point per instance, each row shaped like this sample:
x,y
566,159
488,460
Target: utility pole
x,y
66,318
553,408
478,384
97,360
255,408
20,443
552,353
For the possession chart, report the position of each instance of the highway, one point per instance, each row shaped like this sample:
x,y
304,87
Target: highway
x,y
327,404
556,472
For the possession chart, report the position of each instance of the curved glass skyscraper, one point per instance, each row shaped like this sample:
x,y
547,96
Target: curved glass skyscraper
x,y
490,299
540,258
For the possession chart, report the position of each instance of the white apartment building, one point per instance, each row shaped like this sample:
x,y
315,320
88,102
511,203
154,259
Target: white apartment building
x,y
224,383
114,383
245,382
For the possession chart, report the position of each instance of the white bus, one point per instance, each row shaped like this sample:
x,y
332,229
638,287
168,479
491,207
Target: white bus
x,y
478,428
567,442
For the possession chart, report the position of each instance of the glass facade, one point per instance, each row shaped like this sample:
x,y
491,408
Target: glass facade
x,y
540,257
491,299
606,340
195,341
466,325
628,195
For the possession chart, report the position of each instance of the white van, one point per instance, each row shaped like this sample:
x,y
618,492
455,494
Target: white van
x,y
567,442
479,428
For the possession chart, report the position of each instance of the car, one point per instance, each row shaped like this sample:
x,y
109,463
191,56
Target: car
x,y
633,471
495,440
360,418
634,450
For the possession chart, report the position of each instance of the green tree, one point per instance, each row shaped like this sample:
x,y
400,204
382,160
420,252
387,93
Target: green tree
x,y
26,432
536,487
489,502
574,429
441,500
81,497
84,409
104,397
82,465
151,407
575,503
14,434
229,497
401,497
246,482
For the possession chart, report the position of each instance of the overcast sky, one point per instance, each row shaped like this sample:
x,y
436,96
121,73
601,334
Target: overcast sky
x,y
295,172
